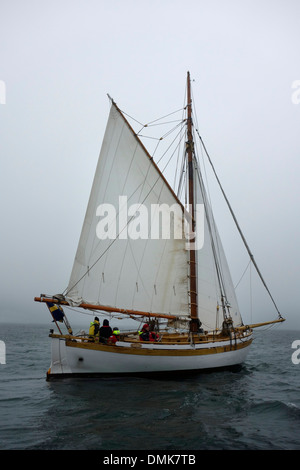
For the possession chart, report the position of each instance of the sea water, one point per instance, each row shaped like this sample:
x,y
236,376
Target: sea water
x,y
257,408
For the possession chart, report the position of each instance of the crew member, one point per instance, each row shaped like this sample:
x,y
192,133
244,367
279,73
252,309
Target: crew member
x,y
105,332
94,329
147,335
114,337
144,333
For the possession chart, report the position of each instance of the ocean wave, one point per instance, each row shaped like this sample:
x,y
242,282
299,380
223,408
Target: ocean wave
x,y
276,408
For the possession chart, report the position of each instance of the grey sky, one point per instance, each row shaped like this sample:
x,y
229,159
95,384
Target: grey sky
x,y
58,61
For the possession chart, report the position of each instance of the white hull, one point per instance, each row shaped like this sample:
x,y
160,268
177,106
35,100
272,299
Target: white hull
x,y
77,358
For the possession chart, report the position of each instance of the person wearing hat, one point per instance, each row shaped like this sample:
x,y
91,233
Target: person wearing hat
x,y
147,335
144,333
94,329
105,332
114,337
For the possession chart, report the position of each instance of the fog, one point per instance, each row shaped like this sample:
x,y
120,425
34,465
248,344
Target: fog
x,y
59,60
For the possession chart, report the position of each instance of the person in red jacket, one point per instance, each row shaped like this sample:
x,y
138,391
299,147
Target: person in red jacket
x,y
153,336
144,333
147,335
114,337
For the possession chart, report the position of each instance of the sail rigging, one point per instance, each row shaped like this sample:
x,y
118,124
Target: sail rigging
x,y
126,261
217,299
239,228
157,276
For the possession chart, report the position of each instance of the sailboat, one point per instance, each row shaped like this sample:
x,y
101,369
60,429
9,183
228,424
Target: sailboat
x,y
145,254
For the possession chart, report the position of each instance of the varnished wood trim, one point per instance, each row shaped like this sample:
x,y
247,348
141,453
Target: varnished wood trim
x,y
169,339
158,352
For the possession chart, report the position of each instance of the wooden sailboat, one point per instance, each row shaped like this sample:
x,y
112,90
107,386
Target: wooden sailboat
x,y
182,289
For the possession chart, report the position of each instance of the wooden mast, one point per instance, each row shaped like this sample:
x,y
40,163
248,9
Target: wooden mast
x,y
194,326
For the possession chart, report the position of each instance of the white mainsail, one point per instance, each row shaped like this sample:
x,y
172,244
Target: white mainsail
x,y
149,274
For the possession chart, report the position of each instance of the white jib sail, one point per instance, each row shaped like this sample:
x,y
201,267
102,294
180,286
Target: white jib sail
x,y
119,261
208,284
